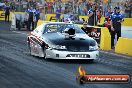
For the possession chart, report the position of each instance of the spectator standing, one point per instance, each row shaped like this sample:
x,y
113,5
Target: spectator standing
x,y
76,7
58,13
88,5
62,7
55,6
98,15
24,3
105,6
82,7
49,5
69,5
92,16
86,29
12,4
128,9
45,7
7,11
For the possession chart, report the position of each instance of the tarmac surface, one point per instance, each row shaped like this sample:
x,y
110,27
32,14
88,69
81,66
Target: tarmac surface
x,y
18,69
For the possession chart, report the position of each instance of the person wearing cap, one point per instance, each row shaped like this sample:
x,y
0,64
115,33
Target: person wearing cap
x,y
86,29
37,16
31,17
116,20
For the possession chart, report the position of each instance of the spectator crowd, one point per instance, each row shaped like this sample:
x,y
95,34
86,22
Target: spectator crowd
x,y
82,6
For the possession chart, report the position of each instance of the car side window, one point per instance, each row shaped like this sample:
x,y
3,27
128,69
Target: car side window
x,y
39,30
51,28
36,30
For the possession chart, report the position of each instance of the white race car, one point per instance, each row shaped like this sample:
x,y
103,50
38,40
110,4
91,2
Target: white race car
x,y
59,40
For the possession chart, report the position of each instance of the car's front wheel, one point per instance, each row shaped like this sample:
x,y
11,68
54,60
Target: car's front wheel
x,y
91,60
44,51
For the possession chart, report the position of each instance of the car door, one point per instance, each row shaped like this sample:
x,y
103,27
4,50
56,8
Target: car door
x,y
36,42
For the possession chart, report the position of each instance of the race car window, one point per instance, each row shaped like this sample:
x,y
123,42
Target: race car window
x,y
61,27
39,30
51,28
77,28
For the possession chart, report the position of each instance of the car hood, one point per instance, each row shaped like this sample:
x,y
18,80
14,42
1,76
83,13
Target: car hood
x,y
59,39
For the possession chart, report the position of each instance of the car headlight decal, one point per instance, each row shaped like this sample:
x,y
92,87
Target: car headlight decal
x,y
93,47
59,47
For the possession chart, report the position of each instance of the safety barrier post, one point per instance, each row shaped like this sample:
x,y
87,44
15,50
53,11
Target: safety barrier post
x,y
124,46
105,40
127,22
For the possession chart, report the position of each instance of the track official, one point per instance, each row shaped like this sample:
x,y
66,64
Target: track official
x,y
31,18
116,19
37,16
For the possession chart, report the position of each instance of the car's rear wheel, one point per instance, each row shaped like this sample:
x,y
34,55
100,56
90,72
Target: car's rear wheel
x,y
44,54
29,47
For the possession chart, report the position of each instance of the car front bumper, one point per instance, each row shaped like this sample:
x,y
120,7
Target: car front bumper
x,y
55,54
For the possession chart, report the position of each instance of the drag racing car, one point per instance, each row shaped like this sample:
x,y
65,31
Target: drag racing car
x,y
59,40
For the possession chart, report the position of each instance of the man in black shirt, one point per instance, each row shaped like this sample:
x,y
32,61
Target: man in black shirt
x,y
31,18
7,12
86,29
92,16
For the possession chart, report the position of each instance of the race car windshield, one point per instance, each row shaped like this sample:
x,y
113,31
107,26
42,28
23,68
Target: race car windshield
x,y
61,27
